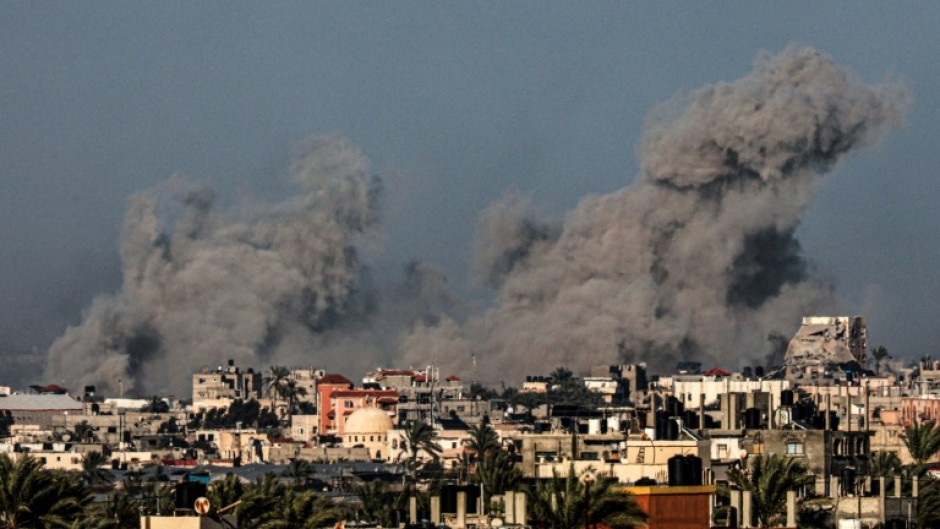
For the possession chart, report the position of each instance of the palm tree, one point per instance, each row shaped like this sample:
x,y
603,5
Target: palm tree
x,y
922,440
303,510
928,504
289,391
300,470
483,439
270,505
575,502
92,471
419,436
35,498
886,465
497,473
225,492
260,502
768,479
879,353
377,504
83,432
562,376
119,511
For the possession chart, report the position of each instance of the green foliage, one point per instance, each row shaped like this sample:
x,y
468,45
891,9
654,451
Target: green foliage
x,y
35,498
922,440
769,478
573,503
93,472
879,353
495,469
928,503
156,405
225,492
249,413
480,391
419,437
886,465
565,388
269,504
376,503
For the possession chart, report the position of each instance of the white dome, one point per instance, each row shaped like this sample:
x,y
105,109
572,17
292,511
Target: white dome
x,y
368,420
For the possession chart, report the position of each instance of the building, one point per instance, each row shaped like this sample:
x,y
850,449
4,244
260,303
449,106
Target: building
x,y
825,340
325,388
217,389
41,410
344,403
368,428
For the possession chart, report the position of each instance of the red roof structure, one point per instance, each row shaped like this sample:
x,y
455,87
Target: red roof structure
x,y
334,379
717,372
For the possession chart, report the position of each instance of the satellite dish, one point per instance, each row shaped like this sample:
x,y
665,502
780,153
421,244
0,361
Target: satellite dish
x,y
202,505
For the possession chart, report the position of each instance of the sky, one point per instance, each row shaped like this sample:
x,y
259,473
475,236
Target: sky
x,y
453,104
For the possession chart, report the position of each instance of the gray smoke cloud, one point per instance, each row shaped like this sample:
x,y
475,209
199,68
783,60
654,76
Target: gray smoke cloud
x,y
695,260
202,285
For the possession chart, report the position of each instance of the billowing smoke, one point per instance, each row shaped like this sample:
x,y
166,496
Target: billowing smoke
x,y
202,285
695,260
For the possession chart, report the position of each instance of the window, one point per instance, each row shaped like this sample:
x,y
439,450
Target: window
x,y
722,451
348,404
794,448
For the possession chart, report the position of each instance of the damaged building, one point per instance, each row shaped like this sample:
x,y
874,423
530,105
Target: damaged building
x,y
829,340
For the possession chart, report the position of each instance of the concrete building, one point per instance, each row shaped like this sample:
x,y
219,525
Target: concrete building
x,y
690,388
612,455
823,340
326,385
41,410
218,388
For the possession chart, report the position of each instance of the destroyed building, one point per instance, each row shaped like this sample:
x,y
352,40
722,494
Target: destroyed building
x,y
829,340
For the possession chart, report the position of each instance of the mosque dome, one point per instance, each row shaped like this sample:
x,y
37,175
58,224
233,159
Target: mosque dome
x,y
368,420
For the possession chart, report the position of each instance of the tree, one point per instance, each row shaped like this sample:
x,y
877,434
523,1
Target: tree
x,y
268,504
92,471
562,376
289,391
300,470
886,465
83,432
768,479
483,439
225,491
419,436
922,440
495,469
276,377
35,498
879,353
928,504
119,511
376,503
575,502
156,405
497,472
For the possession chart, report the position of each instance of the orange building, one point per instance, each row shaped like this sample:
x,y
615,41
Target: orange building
x,y
346,401
325,388
675,507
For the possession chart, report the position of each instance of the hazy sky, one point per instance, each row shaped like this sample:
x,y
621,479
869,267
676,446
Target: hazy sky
x,y
452,102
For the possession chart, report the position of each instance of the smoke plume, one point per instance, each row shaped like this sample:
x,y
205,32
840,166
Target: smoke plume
x,y
201,285
695,260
